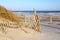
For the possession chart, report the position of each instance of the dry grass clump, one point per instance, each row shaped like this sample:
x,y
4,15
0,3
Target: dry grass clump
x,y
36,22
3,29
4,13
8,15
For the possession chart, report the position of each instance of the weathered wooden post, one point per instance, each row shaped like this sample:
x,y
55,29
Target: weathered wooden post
x,y
51,19
25,20
36,22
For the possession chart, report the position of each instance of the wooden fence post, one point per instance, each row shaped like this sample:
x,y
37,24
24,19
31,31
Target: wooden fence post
x,y
36,22
51,19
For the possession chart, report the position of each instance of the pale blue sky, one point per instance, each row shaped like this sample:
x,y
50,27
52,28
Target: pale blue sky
x,y
30,4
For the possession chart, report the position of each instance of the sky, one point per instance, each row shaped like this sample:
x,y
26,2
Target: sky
x,y
42,5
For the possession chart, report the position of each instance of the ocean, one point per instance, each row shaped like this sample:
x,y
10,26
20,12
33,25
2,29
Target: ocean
x,y
38,12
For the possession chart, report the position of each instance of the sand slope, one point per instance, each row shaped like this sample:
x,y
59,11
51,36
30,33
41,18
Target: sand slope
x,y
17,34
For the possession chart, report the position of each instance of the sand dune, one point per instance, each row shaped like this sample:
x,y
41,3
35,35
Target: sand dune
x,y
12,32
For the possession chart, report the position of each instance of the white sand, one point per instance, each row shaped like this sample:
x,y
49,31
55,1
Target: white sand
x,y
17,34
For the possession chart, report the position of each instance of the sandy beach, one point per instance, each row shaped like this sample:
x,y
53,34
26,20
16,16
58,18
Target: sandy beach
x,y
29,19
23,26
48,33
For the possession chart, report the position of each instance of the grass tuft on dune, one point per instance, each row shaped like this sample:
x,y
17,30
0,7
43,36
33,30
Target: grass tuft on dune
x,y
5,13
